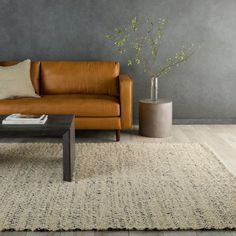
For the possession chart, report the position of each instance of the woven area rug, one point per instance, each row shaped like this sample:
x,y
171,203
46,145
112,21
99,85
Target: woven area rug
x,y
116,186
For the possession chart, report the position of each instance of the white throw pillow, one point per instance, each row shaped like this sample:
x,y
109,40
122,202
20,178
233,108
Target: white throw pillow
x,y
15,81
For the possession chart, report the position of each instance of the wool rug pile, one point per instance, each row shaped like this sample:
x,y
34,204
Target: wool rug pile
x,y
115,186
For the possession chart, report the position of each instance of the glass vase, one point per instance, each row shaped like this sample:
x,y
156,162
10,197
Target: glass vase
x,y
154,88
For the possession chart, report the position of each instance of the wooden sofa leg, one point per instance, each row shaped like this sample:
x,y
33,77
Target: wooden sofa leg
x,y
117,135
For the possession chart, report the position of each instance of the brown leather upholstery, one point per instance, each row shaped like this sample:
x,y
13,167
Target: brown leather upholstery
x,y
79,105
80,77
34,72
126,88
105,123
94,92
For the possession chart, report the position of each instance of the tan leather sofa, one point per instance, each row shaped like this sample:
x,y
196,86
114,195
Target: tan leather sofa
x,y
95,92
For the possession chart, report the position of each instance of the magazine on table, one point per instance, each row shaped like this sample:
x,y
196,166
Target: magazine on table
x,y
25,119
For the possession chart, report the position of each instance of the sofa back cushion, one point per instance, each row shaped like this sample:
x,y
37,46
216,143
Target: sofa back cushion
x,y
74,77
34,72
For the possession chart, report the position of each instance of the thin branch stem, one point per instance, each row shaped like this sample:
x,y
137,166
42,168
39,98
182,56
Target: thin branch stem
x,y
141,42
173,64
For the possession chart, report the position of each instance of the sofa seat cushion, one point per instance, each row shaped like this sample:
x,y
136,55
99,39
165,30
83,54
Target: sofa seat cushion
x,y
79,105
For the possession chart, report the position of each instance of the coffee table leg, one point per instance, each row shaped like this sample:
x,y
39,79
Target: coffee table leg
x,y
68,153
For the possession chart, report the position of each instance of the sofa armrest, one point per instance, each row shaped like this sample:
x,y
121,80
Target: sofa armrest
x,y
126,97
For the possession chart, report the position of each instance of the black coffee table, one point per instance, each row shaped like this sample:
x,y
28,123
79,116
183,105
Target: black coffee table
x,y
56,126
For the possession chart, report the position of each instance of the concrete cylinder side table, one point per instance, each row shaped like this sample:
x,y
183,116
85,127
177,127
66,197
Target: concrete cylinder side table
x,y
155,118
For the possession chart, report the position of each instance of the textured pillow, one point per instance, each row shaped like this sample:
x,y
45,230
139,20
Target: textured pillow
x,y
15,81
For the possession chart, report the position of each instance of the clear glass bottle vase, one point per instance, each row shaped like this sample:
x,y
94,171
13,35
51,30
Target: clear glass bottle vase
x,y
154,88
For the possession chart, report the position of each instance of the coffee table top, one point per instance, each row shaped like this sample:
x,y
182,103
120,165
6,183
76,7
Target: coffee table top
x,y
56,125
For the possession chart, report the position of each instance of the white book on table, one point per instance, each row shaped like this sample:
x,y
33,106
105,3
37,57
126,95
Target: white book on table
x,y
25,117
16,119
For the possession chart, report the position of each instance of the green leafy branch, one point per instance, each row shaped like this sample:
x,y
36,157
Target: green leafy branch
x,y
143,37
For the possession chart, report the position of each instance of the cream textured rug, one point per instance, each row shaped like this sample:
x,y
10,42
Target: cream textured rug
x,y
116,186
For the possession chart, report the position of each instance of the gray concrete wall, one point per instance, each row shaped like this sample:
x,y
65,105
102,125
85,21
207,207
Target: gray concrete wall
x,y
205,87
